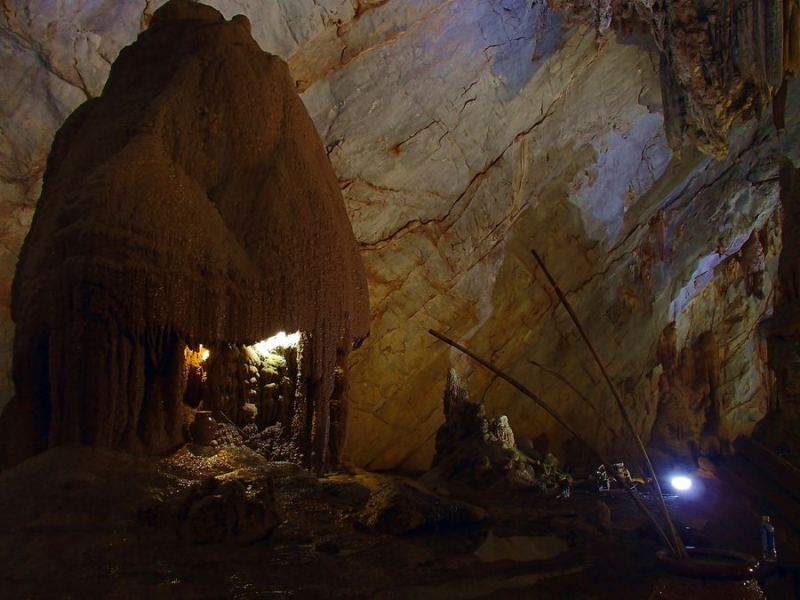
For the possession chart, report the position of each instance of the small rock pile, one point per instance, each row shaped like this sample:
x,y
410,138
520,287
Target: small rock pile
x,y
237,506
273,442
482,452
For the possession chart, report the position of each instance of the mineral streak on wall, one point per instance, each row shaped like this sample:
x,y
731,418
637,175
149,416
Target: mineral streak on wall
x,y
192,202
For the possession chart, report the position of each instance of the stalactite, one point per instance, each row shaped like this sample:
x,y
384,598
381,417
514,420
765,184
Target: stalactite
x,y
673,104
720,62
773,43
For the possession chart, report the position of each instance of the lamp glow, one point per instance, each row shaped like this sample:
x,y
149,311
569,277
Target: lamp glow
x,y
279,340
681,483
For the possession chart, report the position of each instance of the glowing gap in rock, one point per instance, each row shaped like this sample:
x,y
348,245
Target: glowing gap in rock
x,y
279,340
196,358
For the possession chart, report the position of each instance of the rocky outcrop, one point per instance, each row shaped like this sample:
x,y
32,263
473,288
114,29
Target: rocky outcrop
x,y
174,215
720,62
481,452
780,430
463,134
401,507
218,510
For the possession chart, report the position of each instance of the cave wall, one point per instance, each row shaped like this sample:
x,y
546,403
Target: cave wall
x,y
463,134
780,429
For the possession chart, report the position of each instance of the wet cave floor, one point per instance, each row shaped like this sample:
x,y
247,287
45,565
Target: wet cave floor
x,y
72,526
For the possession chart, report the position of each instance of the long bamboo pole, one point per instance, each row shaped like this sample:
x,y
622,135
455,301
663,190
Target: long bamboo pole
x,y
578,393
679,547
609,467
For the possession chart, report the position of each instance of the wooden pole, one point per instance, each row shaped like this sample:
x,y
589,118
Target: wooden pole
x,y
578,393
609,467
681,550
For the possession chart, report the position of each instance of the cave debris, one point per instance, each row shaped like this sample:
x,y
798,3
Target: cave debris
x,y
222,495
219,510
275,442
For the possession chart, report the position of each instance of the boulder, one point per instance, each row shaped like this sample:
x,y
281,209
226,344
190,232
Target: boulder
x,y
400,507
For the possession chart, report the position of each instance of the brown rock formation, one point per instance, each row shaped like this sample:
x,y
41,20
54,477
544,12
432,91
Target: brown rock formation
x,y
191,203
687,423
720,61
400,507
780,429
481,451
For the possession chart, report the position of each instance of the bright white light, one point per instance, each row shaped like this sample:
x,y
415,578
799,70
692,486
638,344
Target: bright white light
x,y
681,483
279,340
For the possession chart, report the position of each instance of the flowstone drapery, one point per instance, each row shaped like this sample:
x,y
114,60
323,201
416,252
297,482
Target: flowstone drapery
x,y
191,203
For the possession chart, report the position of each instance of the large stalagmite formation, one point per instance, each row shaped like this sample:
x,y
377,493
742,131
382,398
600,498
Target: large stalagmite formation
x,y
191,203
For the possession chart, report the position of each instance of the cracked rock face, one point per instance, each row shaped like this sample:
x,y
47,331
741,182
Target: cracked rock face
x,y
464,134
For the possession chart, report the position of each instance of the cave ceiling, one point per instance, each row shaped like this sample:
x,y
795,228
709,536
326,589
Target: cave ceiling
x,y
464,134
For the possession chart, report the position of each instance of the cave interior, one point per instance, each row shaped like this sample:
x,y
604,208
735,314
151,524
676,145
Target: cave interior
x,y
221,236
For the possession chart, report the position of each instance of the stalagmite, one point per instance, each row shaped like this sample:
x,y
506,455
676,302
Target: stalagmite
x,y
192,202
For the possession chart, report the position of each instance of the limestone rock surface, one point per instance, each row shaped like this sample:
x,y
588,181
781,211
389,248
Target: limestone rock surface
x,y
720,62
463,134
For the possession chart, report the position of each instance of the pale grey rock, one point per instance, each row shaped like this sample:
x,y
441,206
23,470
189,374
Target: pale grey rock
x,y
282,26
462,253
431,109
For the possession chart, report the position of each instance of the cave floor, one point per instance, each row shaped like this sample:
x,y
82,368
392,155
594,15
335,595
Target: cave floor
x,y
70,527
